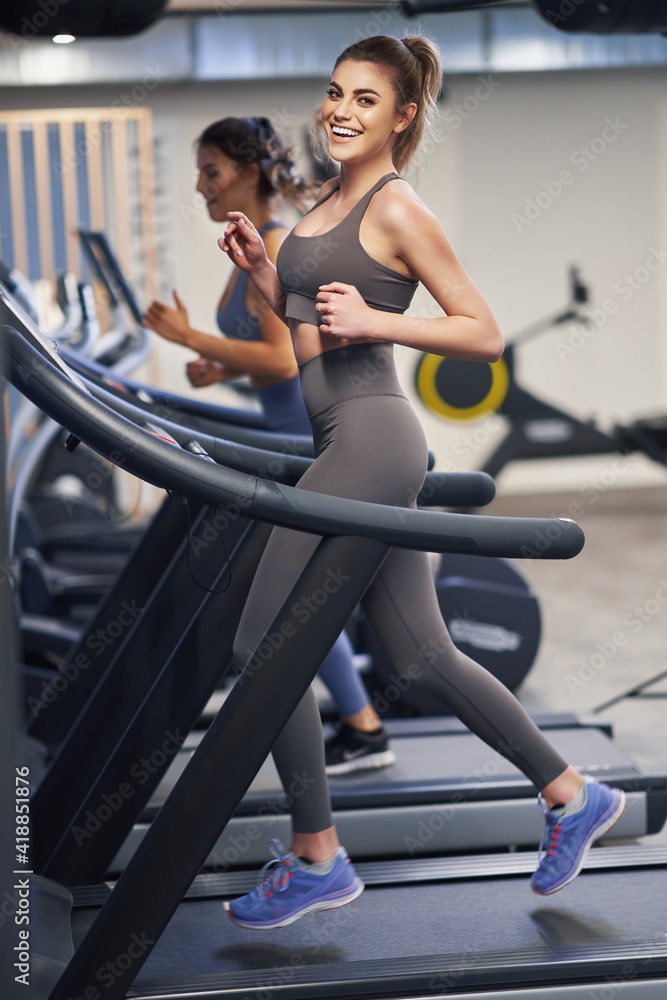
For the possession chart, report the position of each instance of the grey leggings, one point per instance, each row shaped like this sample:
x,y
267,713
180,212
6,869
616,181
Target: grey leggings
x,y
370,446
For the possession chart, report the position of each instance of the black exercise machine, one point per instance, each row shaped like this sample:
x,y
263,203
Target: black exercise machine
x,y
467,390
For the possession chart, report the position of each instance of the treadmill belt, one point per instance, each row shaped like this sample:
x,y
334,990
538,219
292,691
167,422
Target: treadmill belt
x,y
431,768
461,927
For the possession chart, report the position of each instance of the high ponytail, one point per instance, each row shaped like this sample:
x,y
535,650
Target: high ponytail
x,y
255,140
416,69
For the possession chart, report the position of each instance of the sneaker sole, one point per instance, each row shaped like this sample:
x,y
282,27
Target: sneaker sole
x,y
331,903
596,834
376,760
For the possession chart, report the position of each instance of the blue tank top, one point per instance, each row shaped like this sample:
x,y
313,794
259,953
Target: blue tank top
x,y
282,404
234,319
306,262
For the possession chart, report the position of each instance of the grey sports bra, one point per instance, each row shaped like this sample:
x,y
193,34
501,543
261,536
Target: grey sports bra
x,y
306,262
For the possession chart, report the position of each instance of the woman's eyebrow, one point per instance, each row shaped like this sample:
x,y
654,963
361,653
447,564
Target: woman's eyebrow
x,y
359,90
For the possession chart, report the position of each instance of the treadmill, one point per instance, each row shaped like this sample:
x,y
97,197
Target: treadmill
x,y
474,799
584,944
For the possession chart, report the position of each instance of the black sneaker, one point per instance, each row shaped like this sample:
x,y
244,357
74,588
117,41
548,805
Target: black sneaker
x,y
350,749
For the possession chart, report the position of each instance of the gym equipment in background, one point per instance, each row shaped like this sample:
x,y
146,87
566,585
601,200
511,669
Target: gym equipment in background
x,y
107,270
468,390
491,613
608,18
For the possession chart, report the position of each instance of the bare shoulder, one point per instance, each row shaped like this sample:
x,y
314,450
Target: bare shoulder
x,y
397,208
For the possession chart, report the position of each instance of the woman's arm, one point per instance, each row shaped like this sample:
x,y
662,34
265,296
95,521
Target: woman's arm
x,y
202,372
245,248
468,331
272,356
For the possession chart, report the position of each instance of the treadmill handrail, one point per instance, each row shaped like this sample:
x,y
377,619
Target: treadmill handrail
x,y
440,489
196,407
167,466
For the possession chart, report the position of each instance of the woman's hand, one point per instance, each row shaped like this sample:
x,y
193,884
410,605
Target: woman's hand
x,y
344,312
172,324
206,372
242,243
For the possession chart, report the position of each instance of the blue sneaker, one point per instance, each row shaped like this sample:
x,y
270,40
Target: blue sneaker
x,y
287,890
566,839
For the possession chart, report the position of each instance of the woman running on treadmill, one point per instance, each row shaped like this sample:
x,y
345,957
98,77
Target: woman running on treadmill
x,y
344,277
243,163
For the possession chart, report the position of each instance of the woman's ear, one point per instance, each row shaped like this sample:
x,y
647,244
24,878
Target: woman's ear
x,y
405,117
251,173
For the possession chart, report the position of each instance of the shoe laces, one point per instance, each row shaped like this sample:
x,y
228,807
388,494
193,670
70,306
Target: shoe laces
x,y
551,835
275,875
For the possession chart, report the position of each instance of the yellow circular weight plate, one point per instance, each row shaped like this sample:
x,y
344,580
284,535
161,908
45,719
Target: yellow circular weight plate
x,y
470,396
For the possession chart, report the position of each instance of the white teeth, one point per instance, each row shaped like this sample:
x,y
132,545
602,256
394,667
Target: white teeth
x,y
339,130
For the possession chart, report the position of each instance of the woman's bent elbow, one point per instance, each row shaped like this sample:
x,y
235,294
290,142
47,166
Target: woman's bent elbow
x,y
497,352
286,371
495,345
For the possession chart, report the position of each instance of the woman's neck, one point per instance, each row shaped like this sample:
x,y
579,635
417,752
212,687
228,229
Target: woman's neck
x,y
257,210
357,178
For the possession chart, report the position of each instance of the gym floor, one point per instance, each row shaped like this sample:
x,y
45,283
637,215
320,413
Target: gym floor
x,y
604,615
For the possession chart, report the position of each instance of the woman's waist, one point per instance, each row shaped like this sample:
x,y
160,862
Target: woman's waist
x,y
308,341
348,372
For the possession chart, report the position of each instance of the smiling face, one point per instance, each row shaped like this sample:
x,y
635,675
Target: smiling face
x,y
360,114
223,182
